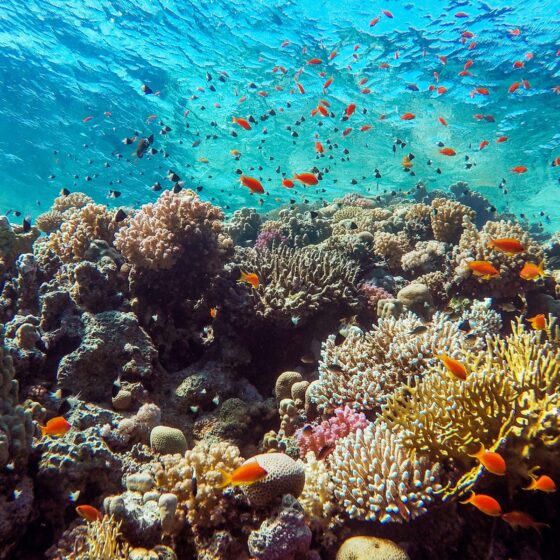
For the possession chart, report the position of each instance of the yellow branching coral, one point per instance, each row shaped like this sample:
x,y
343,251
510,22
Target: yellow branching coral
x,y
195,480
511,391
98,540
378,479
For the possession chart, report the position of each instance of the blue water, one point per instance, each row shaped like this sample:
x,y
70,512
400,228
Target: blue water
x,y
62,61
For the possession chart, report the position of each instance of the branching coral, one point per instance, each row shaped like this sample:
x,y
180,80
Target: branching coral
x,y
318,437
79,228
296,284
195,480
427,256
367,367
378,479
391,246
474,245
510,386
447,219
178,225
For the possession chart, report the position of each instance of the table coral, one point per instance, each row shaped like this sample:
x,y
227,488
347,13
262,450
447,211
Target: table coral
x,y
378,479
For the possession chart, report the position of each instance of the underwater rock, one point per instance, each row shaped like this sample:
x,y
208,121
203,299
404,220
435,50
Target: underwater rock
x,y
113,346
417,298
283,535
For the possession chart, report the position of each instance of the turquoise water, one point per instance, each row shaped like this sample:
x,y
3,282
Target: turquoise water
x,y
64,61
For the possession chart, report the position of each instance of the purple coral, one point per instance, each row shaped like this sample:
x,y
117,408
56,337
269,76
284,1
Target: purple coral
x,y
269,238
324,436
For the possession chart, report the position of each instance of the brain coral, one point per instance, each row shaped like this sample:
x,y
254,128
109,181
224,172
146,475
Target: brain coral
x,y
473,245
195,480
177,225
284,476
378,479
370,548
367,367
166,440
296,284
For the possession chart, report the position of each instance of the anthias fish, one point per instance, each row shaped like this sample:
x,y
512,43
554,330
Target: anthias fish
x,y
246,474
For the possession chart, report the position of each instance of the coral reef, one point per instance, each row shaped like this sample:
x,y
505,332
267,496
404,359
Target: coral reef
x,y
370,548
376,478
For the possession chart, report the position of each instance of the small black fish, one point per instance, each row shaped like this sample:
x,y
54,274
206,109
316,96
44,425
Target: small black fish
x,y
208,77
464,325
17,213
418,330
26,224
172,176
194,486
120,215
177,187
156,187
114,194
146,89
64,192
143,145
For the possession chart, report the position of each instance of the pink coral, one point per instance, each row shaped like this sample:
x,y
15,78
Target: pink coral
x,y
267,238
373,294
315,438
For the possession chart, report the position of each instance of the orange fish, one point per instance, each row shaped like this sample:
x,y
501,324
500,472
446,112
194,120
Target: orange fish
x,y
524,520
468,64
538,322
406,163
519,169
532,271
463,73
448,152
518,64
443,59
482,91
254,185
485,504
501,139
314,61
456,368
484,269
515,32
350,110
513,87
374,21
542,483
246,474
89,513
323,110
241,122
319,147
346,131
306,178
441,89
365,90
327,83
442,121
526,84
483,144
367,127
507,245
213,312
300,87
362,81
288,183
249,278
58,426
387,13
556,162
491,461
332,55
408,116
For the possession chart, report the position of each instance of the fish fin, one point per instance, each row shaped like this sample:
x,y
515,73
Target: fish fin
x,y
43,430
226,479
468,500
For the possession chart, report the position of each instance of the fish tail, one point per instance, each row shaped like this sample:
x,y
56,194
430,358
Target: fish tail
x,y
43,430
469,499
479,453
226,479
